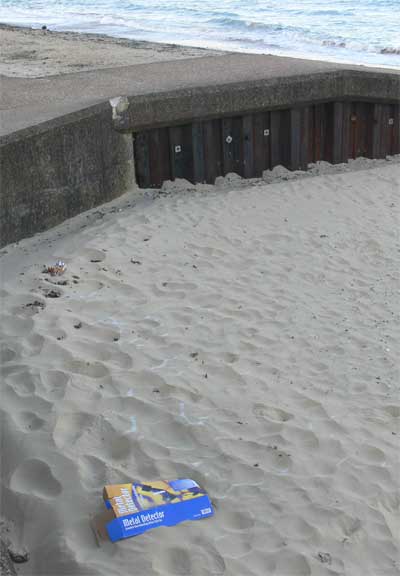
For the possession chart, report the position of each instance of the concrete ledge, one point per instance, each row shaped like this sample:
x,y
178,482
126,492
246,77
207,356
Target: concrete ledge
x,y
174,107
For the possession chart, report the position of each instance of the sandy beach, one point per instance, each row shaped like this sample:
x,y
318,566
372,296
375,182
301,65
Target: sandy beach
x,y
245,335
28,53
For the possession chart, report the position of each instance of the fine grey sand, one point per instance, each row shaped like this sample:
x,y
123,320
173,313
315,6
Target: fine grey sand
x,y
244,335
28,53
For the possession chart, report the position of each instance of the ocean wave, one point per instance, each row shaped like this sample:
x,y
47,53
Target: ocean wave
x,y
253,25
358,31
390,50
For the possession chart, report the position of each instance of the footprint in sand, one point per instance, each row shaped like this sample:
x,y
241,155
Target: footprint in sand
x,y
55,383
393,411
94,256
70,427
175,561
15,325
92,471
35,476
91,369
29,421
23,383
263,412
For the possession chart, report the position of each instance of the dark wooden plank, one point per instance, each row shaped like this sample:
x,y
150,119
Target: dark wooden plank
x,y
181,152
248,147
299,138
396,129
212,131
285,138
280,138
232,143
392,130
369,128
328,131
262,140
275,143
385,131
159,156
317,139
311,135
346,151
227,145
199,171
354,130
305,138
362,137
377,131
142,163
338,132
295,138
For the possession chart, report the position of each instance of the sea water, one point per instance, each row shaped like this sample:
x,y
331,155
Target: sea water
x,y
356,31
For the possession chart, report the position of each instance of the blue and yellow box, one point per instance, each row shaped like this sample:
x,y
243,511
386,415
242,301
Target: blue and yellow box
x,y
135,508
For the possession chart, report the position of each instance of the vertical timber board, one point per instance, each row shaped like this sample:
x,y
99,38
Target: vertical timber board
x,y
280,138
305,138
393,126
295,138
181,152
275,140
285,137
227,145
338,128
354,130
362,138
262,140
212,133
396,129
248,147
199,171
328,129
310,135
300,153
346,152
318,134
232,143
385,131
142,161
159,160
377,131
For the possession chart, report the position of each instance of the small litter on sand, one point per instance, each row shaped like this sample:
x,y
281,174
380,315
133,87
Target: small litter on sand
x,y
57,269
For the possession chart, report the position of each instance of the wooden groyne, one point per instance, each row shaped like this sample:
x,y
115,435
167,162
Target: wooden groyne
x,y
251,143
79,140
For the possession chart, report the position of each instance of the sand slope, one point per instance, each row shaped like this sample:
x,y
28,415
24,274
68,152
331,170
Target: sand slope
x,y
252,345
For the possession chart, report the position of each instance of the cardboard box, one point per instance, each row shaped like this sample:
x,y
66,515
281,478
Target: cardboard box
x,y
135,508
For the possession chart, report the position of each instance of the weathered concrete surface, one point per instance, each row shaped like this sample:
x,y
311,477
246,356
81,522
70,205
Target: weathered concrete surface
x,y
25,102
60,153
56,170
178,106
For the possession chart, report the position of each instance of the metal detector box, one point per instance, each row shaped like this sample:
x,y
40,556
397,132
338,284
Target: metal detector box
x,y
135,508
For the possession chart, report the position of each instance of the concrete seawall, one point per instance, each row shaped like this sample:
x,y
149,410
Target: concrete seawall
x,y
56,170
63,150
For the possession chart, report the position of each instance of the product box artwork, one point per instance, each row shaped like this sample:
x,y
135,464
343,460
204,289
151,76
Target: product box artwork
x,y
135,508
